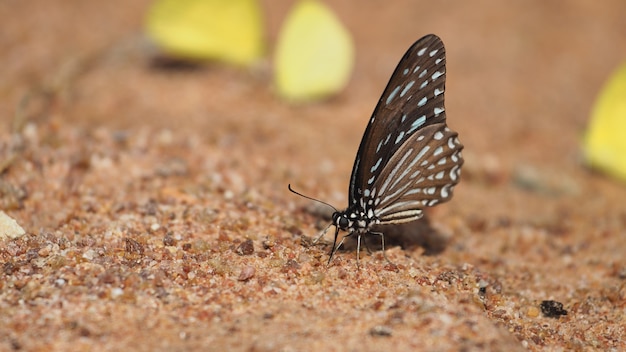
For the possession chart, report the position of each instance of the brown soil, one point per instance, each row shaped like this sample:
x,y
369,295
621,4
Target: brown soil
x,y
158,218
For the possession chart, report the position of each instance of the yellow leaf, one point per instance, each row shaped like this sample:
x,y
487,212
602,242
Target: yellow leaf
x,y
224,30
605,140
314,54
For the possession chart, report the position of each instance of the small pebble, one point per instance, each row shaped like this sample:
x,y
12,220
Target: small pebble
x,y
552,309
380,330
245,248
116,292
9,228
532,312
89,254
246,273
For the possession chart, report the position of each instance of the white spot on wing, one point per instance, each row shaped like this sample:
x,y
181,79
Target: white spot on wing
x,y
393,172
417,123
392,95
376,165
408,169
400,136
444,191
379,145
421,51
406,89
453,173
422,102
414,191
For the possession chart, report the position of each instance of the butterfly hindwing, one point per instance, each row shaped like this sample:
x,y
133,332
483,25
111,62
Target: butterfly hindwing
x,y
422,172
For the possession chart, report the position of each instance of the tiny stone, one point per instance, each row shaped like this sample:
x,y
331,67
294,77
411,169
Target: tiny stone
x,y
291,266
168,240
245,248
552,309
380,330
44,252
89,254
9,228
116,292
482,287
246,273
132,246
532,312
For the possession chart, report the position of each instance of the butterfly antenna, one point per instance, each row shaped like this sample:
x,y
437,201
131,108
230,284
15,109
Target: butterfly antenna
x,y
313,199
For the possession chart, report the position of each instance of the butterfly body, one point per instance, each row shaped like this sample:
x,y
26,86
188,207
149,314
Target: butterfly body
x,y
408,158
355,219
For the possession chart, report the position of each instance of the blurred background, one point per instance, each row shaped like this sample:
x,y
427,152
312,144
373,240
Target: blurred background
x,y
522,77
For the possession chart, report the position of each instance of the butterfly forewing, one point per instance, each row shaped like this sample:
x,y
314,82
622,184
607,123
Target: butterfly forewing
x,y
408,159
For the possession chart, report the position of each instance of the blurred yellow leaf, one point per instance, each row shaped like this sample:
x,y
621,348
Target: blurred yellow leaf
x,y
314,54
225,30
605,140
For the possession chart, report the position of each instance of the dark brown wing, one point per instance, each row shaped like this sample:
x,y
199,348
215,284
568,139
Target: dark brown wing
x,y
412,101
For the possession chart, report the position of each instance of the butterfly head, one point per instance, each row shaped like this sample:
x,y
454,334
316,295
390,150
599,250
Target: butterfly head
x,y
353,219
341,220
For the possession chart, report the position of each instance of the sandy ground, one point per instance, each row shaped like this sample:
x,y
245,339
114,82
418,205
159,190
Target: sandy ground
x,y
157,214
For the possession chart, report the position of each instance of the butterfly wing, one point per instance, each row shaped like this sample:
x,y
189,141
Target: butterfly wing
x,y
408,115
422,173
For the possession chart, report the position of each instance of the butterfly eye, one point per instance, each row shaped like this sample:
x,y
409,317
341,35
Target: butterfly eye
x,y
340,220
343,223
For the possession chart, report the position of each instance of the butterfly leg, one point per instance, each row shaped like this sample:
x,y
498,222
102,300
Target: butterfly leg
x,y
323,233
369,250
335,245
358,250
382,241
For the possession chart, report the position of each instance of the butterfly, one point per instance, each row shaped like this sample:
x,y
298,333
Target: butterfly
x,y
408,158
